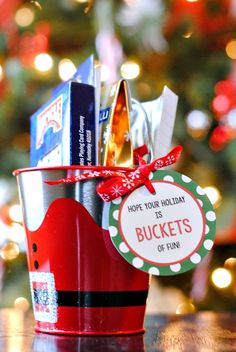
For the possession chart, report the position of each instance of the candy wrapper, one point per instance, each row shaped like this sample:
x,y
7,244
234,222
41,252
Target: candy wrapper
x,y
152,123
114,126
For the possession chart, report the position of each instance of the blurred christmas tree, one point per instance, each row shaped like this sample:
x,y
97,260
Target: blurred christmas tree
x,y
188,45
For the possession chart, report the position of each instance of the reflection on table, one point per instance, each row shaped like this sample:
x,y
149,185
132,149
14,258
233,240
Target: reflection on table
x,y
204,331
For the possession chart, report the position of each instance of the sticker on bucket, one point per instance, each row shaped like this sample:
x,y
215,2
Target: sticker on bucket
x,y
44,296
165,233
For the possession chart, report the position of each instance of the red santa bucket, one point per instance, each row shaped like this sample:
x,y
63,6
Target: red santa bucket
x,y
79,282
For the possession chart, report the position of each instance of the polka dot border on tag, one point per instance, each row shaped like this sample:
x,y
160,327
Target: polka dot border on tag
x,y
195,258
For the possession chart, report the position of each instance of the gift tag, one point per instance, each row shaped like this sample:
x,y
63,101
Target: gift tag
x,y
165,233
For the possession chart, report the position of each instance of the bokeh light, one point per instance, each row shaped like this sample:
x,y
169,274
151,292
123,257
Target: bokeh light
x,y
231,118
221,103
16,232
198,123
221,278
187,34
82,1
43,62
130,70
66,69
230,263
130,2
9,251
15,213
36,4
22,303
24,16
1,73
219,137
214,195
231,49
197,119
185,308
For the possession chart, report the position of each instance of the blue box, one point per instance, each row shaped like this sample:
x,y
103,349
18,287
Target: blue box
x,y
63,131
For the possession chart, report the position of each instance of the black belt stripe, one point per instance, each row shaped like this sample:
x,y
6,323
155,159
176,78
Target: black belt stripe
x,y
93,298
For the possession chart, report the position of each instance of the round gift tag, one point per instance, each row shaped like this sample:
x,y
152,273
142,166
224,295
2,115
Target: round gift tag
x,y
165,233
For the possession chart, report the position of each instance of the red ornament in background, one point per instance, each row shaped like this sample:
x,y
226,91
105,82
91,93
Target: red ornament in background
x,y
202,18
225,87
219,137
223,102
30,45
7,22
43,28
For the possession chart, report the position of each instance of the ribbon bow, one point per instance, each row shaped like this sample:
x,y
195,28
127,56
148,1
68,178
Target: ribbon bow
x,y
118,183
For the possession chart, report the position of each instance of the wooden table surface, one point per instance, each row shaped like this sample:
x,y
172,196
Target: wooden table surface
x,y
202,332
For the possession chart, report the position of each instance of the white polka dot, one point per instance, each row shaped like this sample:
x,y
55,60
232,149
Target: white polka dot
x,y
175,267
195,258
211,216
168,178
154,271
208,244
115,214
186,179
137,262
117,200
200,190
151,176
200,202
207,229
113,231
123,248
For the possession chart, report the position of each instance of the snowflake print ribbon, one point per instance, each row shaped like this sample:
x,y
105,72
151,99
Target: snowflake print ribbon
x,y
118,183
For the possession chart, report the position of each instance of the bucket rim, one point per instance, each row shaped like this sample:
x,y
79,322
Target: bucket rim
x,y
72,167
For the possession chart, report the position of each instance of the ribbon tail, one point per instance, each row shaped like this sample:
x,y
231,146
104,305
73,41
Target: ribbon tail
x,y
149,186
168,159
65,180
86,176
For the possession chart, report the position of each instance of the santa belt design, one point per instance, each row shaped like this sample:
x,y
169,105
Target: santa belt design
x,y
93,298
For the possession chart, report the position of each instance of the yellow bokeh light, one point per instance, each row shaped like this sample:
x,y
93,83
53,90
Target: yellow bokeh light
x,y
24,16
36,4
230,263
185,308
66,69
9,251
16,233
221,278
1,73
21,303
188,34
231,49
15,213
131,2
214,195
43,62
130,70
